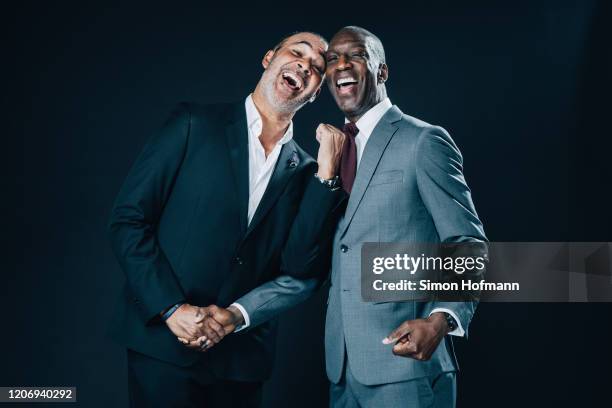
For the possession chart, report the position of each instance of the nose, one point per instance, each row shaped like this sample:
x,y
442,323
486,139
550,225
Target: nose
x,y
305,68
343,63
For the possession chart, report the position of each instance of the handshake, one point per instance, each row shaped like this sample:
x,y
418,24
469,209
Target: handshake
x,y
200,328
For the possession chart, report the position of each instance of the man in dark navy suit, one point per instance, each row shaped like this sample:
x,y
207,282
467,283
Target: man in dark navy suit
x,y
218,213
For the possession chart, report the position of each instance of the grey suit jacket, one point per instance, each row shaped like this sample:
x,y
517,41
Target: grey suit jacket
x,y
409,188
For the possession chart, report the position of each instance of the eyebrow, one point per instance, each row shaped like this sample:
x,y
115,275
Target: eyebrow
x,y
322,54
353,46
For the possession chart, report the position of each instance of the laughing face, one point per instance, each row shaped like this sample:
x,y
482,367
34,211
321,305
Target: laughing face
x,y
355,76
294,72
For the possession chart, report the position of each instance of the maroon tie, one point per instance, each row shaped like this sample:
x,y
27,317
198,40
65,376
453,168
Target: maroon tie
x,y
348,162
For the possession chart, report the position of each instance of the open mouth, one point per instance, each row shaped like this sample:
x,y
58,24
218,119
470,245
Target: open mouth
x,y
292,80
346,85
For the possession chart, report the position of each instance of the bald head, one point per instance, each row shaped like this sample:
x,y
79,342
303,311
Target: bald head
x,y
356,71
284,40
375,46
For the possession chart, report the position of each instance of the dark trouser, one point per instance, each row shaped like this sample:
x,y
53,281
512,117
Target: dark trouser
x,y
155,383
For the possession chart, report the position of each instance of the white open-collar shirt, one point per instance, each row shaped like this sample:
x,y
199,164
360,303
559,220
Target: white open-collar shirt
x,y
260,166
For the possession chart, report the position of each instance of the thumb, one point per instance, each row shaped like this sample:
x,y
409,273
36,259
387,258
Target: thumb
x,y
402,330
202,314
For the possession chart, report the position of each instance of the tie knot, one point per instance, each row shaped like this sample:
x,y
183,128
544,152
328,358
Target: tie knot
x,y
350,129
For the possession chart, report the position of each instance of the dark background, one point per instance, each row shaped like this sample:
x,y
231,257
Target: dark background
x,y
522,87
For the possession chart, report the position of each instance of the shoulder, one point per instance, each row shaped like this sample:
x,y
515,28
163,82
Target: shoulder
x,y
427,137
419,127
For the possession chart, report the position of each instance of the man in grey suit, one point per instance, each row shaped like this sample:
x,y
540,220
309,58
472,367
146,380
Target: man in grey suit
x,y
406,184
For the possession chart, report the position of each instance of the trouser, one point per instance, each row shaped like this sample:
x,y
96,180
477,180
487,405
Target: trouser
x,y
155,383
438,391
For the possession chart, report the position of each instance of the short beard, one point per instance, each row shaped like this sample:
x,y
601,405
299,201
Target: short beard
x,y
282,106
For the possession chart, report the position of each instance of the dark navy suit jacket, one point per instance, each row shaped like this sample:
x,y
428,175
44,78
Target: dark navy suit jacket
x,y
179,230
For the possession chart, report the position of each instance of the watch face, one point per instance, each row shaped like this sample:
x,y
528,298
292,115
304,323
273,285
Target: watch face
x,y
450,320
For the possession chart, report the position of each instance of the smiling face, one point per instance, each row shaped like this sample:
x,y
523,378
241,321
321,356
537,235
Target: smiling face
x,y
356,72
293,72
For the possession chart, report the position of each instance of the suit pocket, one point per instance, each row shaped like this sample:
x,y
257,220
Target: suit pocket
x,y
387,177
388,303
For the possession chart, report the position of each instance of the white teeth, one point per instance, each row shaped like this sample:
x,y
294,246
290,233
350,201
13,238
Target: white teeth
x,y
295,78
343,81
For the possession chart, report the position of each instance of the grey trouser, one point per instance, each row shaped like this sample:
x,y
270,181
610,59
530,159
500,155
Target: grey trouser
x,y
438,391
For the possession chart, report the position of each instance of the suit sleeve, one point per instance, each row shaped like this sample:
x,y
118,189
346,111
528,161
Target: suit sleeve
x,y
136,213
306,256
307,252
442,186
267,301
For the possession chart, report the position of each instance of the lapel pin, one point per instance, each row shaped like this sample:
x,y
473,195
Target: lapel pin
x,y
293,161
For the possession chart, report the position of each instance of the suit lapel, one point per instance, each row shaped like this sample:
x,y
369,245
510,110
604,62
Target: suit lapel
x,y
237,140
288,161
374,149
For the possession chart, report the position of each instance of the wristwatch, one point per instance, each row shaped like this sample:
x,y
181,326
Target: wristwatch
x,y
450,321
333,183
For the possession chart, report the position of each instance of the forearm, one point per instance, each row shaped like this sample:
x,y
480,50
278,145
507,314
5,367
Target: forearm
x,y
312,230
274,297
137,210
148,273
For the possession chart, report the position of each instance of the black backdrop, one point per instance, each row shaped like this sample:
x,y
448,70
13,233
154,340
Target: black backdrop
x,y
522,87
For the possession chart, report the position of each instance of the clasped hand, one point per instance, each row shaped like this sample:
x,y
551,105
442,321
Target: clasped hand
x,y
200,328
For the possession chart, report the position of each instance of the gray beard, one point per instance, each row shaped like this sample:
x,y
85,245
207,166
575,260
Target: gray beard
x,y
282,105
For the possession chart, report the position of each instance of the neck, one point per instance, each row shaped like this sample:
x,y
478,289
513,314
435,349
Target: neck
x,y
274,123
357,114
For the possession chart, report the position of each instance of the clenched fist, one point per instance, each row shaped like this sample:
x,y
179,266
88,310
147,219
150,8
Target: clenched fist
x,y
331,140
418,338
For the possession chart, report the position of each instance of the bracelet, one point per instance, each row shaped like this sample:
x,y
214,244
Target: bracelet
x,y
169,312
333,184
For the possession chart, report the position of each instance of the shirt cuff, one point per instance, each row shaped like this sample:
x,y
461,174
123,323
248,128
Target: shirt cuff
x,y
245,316
459,332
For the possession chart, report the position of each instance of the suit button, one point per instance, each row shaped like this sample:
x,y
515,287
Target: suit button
x,y
239,261
343,248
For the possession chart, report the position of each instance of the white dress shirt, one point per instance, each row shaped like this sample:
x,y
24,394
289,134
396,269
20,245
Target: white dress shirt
x,y
260,166
260,169
366,125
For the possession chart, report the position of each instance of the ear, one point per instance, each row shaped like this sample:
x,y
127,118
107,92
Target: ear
x,y
267,58
383,73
